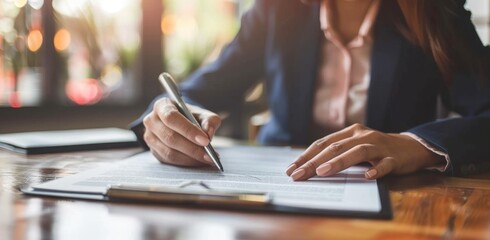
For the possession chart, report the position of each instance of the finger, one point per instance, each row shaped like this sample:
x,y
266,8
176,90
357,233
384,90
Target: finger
x,y
318,146
309,168
177,142
172,118
210,122
356,155
381,168
168,155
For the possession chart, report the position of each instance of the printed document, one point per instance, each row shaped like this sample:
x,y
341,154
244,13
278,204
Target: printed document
x,y
246,169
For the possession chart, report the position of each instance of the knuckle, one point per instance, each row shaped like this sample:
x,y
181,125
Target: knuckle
x,y
159,150
311,166
372,135
158,103
169,116
356,126
197,153
171,156
320,143
301,158
189,131
168,155
170,137
164,101
149,139
335,148
363,149
146,137
339,164
147,120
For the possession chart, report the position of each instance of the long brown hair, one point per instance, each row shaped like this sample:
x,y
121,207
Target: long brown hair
x,y
434,25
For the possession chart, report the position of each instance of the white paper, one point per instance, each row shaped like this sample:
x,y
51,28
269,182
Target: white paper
x,y
248,169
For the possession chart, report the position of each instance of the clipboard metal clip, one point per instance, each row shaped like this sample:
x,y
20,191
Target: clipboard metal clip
x,y
183,194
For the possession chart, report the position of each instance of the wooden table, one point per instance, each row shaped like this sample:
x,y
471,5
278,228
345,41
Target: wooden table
x,y
425,206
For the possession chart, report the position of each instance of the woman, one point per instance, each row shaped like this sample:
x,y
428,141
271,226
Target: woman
x,y
357,80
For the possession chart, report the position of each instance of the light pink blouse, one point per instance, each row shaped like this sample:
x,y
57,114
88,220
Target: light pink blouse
x,y
344,73
343,78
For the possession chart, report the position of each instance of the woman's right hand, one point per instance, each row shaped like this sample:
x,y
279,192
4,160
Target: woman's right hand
x,y
175,140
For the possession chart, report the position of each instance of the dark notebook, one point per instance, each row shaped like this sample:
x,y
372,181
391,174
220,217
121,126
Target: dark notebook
x,y
68,140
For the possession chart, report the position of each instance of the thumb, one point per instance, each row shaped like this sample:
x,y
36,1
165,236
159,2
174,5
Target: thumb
x,y
210,123
381,168
208,120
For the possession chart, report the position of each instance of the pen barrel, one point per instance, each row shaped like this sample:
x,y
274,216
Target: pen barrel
x,y
172,89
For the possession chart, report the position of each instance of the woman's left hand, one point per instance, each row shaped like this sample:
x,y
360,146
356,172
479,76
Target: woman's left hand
x,y
387,153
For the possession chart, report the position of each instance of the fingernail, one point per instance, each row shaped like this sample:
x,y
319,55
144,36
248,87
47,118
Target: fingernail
x,y
371,173
207,158
324,169
298,174
291,168
202,140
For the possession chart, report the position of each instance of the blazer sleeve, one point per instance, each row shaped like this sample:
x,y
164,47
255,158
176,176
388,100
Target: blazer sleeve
x,y
221,85
465,139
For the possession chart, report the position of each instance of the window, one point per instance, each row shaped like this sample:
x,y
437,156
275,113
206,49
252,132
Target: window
x,y
86,52
195,31
68,53
480,17
96,60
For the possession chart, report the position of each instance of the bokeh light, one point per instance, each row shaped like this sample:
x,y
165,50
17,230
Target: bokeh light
x,y
84,92
168,24
187,27
112,6
20,3
14,100
62,40
36,4
72,8
34,40
112,75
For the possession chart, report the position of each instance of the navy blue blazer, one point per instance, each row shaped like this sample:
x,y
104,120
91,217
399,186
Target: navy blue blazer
x,y
279,42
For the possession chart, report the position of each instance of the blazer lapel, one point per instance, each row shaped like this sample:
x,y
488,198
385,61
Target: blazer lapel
x,y
303,73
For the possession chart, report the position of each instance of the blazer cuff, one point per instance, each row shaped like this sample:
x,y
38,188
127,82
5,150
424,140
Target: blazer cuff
x,y
441,168
139,130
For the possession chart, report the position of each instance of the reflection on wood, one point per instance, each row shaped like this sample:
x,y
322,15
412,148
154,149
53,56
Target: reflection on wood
x,y
426,205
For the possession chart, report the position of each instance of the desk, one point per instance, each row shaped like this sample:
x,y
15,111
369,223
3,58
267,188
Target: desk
x,y
425,206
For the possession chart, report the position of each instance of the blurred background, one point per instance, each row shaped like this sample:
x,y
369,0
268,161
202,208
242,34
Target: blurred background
x,y
86,63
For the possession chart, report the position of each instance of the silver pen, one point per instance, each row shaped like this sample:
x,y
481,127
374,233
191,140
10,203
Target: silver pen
x,y
171,87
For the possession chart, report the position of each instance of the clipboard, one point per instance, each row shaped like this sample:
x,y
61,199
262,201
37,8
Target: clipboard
x,y
170,185
181,195
254,201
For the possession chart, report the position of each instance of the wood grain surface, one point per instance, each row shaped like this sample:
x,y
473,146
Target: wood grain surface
x,y
426,205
